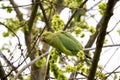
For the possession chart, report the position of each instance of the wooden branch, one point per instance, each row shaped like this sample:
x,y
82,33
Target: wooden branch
x,y
29,64
99,44
94,36
112,72
105,46
2,72
14,34
59,6
27,32
81,5
45,16
8,62
33,15
10,65
18,12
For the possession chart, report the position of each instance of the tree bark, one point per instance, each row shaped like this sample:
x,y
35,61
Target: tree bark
x,y
2,73
37,73
100,40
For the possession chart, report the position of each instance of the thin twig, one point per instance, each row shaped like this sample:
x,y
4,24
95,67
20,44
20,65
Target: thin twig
x,y
32,47
108,61
8,62
29,64
111,38
112,72
18,12
16,6
12,32
45,16
2,71
13,68
113,27
33,15
114,45
94,5
81,5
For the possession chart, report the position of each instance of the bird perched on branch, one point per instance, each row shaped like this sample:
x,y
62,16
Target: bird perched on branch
x,y
62,41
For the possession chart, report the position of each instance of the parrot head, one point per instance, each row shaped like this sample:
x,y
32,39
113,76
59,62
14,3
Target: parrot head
x,y
46,37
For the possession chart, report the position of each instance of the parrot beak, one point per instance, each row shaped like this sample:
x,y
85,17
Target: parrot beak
x,y
42,38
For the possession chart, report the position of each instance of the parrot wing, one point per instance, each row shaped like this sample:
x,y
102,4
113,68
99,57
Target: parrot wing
x,y
73,38
68,42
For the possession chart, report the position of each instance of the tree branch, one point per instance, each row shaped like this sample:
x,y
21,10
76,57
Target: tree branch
x,y
2,72
114,45
11,66
8,62
45,16
29,64
27,32
81,5
33,15
93,37
112,72
18,12
13,33
59,6
99,44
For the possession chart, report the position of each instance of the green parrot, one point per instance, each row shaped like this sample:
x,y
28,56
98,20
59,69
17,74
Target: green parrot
x,y
62,41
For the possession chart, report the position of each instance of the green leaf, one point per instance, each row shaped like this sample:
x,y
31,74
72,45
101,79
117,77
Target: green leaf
x,y
28,77
81,55
105,41
3,6
102,7
78,30
70,68
57,23
115,76
91,29
5,34
73,3
9,9
40,62
82,35
118,31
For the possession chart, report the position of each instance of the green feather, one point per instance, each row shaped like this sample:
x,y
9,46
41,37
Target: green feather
x,y
69,42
